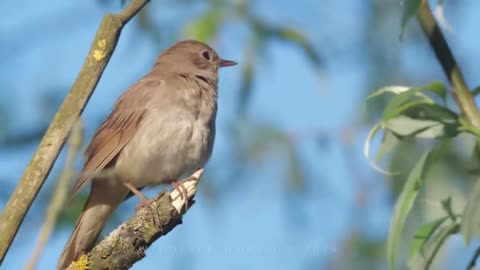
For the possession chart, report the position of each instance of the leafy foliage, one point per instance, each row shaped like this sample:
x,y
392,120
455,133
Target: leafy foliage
x,y
407,198
422,113
413,112
471,215
422,235
436,234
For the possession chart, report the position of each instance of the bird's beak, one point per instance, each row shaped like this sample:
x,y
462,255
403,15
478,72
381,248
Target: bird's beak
x,y
226,63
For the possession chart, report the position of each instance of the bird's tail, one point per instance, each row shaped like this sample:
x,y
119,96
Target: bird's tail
x,y
98,208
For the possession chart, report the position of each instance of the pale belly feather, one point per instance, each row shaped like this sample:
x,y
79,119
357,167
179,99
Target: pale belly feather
x,y
164,149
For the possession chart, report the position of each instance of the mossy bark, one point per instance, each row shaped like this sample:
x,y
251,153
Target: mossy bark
x,y
127,244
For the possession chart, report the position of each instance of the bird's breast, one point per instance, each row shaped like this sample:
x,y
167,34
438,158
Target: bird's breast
x,y
171,142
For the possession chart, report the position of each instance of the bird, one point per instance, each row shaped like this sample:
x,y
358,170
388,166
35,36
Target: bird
x,y
160,129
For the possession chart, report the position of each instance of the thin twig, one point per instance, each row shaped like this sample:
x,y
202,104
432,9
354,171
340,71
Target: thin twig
x,y
473,261
42,161
59,195
459,88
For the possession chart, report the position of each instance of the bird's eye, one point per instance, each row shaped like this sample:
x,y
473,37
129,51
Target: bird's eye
x,y
206,55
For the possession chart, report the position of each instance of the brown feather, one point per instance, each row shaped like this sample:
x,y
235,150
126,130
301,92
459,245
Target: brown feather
x,y
115,132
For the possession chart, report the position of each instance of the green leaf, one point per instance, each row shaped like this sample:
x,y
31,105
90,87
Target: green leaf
x,y
476,91
436,88
403,102
406,126
424,258
389,141
290,35
403,207
471,214
410,8
395,89
419,128
422,235
294,36
447,206
433,112
448,119
424,120
407,98
407,198
204,27
366,149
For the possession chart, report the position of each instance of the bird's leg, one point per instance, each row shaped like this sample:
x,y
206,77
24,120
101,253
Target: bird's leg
x,y
182,190
145,202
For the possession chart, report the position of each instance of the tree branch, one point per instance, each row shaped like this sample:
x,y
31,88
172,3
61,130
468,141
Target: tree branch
x,y
460,90
59,194
127,244
42,161
473,260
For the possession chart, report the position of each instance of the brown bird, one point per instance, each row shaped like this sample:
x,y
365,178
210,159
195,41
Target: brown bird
x,y
160,129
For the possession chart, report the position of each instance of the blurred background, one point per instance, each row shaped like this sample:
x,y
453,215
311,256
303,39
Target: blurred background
x,y
288,186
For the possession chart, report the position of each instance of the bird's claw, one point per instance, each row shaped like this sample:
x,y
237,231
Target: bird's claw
x,y
150,206
182,190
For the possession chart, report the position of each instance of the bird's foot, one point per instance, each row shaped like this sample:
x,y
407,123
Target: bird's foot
x,y
150,207
145,202
182,190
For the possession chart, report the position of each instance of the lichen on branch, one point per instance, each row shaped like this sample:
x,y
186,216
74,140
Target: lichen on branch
x,y
127,243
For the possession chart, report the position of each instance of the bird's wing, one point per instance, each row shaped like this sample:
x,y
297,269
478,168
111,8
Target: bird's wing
x,y
115,132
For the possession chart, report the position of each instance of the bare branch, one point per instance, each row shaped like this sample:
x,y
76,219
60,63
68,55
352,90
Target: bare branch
x,y
42,161
460,90
59,195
